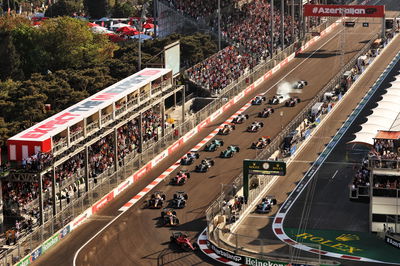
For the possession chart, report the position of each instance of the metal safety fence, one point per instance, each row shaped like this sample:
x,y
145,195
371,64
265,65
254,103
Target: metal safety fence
x,y
110,179
216,216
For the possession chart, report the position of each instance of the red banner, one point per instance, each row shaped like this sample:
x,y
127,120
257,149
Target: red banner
x,y
344,10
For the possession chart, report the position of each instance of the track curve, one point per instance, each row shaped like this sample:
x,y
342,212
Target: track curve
x,y
135,239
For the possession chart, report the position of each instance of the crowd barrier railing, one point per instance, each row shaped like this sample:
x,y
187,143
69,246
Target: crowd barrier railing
x,y
90,202
215,209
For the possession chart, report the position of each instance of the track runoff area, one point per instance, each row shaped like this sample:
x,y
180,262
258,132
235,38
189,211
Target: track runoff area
x,y
134,237
323,212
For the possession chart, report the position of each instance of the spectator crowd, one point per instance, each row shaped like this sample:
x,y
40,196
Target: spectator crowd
x,y
247,28
20,197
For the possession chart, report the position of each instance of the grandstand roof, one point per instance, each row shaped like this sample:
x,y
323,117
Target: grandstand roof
x,y
95,103
384,118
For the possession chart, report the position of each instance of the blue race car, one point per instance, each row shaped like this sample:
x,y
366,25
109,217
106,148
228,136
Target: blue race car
x,y
189,158
229,152
214,145
258,100
266,205
205,165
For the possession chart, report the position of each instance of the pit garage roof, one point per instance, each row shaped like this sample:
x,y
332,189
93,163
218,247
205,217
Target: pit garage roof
x,y
385,117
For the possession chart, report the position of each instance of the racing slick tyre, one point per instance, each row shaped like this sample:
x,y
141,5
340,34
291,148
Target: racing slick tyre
x,y
220,132
287,104
163,197
253,146
247,116
185,196
196,155
270,101
261,124
212,163
263,98
175,196
188,175
274,201
268,141
272,110
221,155
237,149
174,212
233,127
181,182
297,100
222,143
162,215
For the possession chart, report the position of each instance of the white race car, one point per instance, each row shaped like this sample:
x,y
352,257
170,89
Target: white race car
x,y
255,126
299,84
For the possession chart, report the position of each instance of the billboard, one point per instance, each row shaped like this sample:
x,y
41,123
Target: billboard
x,y
344,10
172,57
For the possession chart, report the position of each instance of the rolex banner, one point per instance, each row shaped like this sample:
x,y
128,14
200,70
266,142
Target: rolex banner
x,y
344,10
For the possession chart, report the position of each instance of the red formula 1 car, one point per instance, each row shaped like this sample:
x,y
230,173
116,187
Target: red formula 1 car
x,y
266,112
183,241
292,101
226,129
180,178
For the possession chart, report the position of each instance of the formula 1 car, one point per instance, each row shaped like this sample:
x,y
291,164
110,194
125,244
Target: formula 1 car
x,y
214,145
261,143
229,152
179,200
226,129
266,205
180,178
156,200
299,84
205,165
240,119
276,99
169,218
292,101
255,126
266,112
258,100
183,241
189,158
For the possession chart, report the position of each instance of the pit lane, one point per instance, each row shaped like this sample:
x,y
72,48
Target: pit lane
x,y
134,238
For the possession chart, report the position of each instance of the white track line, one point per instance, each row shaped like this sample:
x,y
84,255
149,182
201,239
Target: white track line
x,y
113,220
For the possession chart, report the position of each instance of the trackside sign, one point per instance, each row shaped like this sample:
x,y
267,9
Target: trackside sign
x,y
344,10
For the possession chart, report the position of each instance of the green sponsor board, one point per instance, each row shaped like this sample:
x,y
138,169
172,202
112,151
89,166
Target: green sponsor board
x,y
25,261
260,167
359,244
49,243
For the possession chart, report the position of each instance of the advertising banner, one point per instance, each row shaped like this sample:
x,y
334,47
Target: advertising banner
x,y
344,10
391,241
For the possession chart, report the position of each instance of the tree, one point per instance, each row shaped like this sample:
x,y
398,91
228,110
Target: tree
x,y
96,8
62,8
124,10
10,65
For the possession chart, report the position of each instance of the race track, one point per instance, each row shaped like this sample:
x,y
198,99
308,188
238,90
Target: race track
x,y
135,239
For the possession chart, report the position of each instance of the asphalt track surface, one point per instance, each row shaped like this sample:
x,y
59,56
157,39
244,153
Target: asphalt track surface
x,y
325,202
135,238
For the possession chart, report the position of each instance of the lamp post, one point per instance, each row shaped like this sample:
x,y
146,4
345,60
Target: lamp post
x,y
219,25
142,19
281,115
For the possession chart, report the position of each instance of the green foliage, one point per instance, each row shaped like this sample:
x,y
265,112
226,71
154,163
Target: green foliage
x,y
62,8
10,65
124,10
80,64
96,8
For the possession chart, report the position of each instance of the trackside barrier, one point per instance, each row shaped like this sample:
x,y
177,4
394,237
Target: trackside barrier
x,y
280,216
235,95
215,208
230,257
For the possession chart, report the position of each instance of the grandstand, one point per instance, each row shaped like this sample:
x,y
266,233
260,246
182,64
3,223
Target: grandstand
x,y
379,177
68,154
